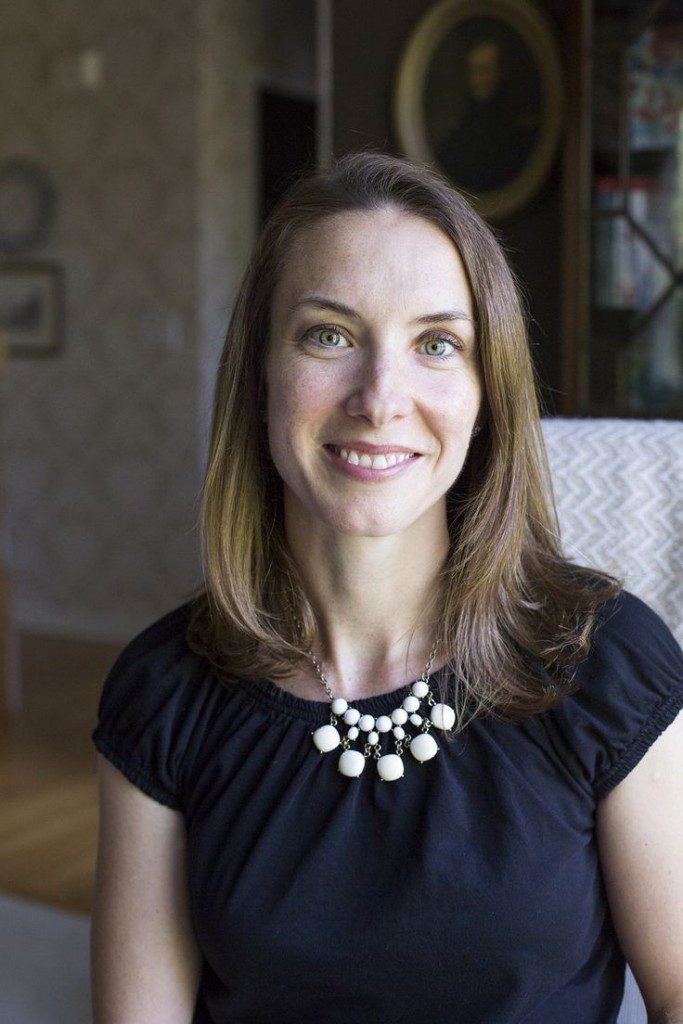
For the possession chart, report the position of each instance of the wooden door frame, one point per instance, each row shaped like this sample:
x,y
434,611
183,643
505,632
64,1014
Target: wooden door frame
x,y
576,207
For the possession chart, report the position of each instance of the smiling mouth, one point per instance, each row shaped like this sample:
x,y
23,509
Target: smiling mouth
x,y
338,448
366,461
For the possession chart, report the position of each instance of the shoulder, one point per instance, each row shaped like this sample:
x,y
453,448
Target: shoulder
x,y
156,673
151,706
162,642
629,630
628,689
626,610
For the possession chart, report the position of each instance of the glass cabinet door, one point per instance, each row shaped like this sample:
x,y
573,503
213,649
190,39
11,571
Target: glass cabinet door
x,y
633,365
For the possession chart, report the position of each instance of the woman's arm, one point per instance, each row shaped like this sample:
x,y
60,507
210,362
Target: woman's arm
x,y
145,963
639,829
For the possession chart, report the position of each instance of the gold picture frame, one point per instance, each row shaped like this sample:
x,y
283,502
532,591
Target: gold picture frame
x,y
479,93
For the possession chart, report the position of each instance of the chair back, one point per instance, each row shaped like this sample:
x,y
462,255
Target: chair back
x,y
619,495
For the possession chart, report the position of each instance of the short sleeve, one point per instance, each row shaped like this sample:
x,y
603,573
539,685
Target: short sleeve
x,y
147,709
630,690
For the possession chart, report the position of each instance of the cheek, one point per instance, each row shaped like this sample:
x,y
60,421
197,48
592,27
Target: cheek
x,y
467,398
451,414
459,400
301,397
298,410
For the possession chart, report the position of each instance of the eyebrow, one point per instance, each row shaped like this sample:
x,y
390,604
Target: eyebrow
x,y
339,307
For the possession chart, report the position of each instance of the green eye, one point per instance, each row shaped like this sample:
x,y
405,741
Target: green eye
x,y
331,331
443,338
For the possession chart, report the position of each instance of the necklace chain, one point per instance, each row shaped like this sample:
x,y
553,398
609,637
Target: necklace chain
x,y
318,668
389,766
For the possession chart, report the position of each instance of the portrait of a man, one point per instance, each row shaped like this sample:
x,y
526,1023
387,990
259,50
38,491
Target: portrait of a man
x,y
479,94
483,137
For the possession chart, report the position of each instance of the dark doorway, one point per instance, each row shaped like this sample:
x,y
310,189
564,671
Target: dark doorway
x,y
287,145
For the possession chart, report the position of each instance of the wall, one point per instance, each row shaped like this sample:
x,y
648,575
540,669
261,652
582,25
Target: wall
x,y
155,175
244,46
101,465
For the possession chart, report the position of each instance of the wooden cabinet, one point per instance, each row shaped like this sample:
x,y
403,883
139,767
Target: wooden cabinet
x,y
623,251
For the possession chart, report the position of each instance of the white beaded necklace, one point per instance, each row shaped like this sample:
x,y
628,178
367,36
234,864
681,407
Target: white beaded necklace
x,y
423,746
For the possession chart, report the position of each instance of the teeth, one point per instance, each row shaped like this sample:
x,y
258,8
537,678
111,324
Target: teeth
x,y
378,462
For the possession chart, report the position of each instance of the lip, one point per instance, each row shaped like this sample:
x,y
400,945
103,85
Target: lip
x,y
373,449
367,472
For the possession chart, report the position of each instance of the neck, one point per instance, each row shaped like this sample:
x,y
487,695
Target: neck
x,y
375,600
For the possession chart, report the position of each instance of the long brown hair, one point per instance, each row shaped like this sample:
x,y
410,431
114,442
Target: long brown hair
x,y
515,614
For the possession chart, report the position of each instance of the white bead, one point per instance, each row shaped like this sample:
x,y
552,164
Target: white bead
x,y
326,738
420,689
383,723
373,737
367,722
351,763
416,719
411,703
399,732
339,706
423,747
443,716
351,716
353,732
390,767
399,716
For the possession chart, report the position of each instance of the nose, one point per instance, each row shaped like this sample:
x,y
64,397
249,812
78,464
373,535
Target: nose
x,y
382,391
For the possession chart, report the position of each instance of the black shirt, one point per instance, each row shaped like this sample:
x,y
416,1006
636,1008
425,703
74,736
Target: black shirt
x,y
467,892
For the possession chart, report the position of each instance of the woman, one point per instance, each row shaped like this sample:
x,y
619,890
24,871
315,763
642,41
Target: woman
x,y
362,774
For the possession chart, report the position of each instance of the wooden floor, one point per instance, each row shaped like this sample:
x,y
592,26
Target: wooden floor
x,y
48,783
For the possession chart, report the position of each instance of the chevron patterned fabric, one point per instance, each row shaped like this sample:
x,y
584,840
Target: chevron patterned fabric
x,y
619,494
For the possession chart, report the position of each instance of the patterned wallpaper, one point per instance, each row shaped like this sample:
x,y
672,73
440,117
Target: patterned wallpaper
x,y
104,442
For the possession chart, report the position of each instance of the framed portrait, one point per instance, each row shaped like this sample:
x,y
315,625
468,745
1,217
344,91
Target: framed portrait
x,y
479,93
31,308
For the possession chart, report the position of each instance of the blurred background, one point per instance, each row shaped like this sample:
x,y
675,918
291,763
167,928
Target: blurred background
x,y
141,146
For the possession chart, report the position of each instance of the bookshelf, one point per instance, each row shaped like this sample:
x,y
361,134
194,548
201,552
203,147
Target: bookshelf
x,y
624,329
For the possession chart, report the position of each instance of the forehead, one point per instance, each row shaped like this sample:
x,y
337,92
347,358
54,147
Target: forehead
x,y
383,255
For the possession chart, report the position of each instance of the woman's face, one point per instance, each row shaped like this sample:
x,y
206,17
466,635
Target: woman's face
x,y
375,371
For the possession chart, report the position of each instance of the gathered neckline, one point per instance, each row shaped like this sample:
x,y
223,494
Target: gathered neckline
x,y
267,691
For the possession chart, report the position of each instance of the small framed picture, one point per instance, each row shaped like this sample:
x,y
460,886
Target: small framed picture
x,y
31,308
479,93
